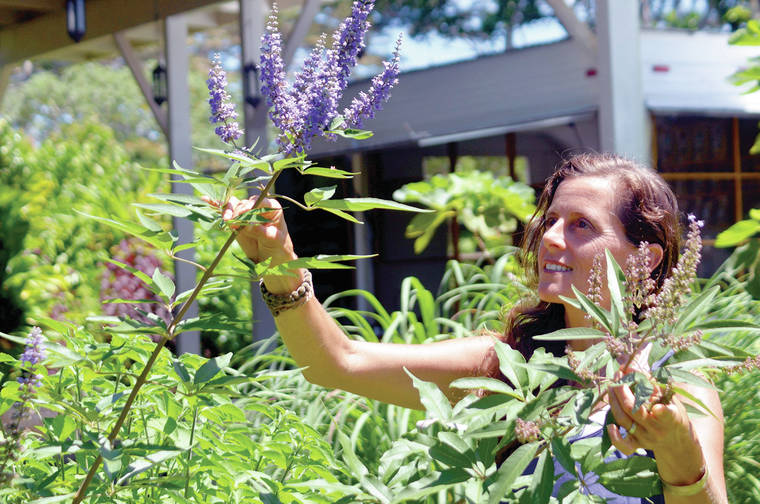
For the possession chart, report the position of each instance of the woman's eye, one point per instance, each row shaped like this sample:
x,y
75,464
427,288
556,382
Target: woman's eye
x,y
584,224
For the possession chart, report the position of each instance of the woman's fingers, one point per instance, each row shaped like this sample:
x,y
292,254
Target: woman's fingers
x,y
627,445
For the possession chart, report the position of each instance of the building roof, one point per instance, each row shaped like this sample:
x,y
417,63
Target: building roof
x,y
543,86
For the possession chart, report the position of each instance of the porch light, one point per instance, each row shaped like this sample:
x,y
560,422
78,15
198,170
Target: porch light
x,y
159,84
75,19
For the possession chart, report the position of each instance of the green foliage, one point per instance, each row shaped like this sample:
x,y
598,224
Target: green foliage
x,y
475,21
740,398
57,264
200,431
745,261
453,452
487,206
89,92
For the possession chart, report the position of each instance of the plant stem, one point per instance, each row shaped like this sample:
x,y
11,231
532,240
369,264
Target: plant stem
x,y
190,452
162,342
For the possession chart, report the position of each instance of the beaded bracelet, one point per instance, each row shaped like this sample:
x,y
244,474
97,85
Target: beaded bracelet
x,y
278,303
686,490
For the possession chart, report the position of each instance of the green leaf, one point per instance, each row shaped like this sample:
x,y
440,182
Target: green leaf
x,y
160,240
184,199
239,156
148,223
181,371
489,384
333,172
435,402
341,214
609,419
210,369
695,400
111,458
53,499
61,426
696,308
635,477
108,401
352,133
737,233
317,262
349,456
147,462
599,314
642,390
509,471
165,209
164,283
561,451
450,456
687,377
615,284
573,333
510,364
364,204
318,194
542,482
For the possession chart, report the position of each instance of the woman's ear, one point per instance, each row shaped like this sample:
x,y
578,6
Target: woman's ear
x,y
655,255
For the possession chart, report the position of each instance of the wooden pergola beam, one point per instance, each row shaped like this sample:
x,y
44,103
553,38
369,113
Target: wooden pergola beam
x,y
300,29
136,67
33,5
104,17
576,28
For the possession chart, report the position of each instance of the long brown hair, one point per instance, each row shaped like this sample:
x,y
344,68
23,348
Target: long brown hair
x,y
648,210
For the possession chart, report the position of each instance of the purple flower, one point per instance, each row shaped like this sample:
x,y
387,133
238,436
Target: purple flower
x,y
348,40
34,353
222,110
273,84
365,105
307,109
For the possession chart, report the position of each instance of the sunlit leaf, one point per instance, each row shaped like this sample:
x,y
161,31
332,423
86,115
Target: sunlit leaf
x,y
211,368
635,477
164,283
510,470
436,404
364,204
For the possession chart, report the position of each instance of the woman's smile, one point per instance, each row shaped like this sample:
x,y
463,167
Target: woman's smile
x,y
580,224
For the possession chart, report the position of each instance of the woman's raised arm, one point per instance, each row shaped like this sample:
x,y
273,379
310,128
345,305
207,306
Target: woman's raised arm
x,y
333,360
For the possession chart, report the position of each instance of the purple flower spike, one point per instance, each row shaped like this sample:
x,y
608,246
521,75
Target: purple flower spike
x,y
365,105
34,353
307,108
348,40
222,110
273,84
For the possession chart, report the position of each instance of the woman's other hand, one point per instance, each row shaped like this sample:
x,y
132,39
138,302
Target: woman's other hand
x,y
262,241
683,448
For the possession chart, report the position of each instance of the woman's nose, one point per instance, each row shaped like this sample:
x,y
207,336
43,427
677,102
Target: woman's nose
x,y
554,236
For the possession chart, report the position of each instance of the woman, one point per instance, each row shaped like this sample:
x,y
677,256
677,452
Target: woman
x,y
592,203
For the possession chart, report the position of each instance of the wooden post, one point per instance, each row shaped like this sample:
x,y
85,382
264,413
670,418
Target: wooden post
x,y
737,155
623,126
180,150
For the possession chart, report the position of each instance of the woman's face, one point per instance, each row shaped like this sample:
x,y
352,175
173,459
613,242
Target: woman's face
x,y
580,223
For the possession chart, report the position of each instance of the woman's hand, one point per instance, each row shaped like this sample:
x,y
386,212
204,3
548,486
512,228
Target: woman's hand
x,y
683,448
262,241
659,428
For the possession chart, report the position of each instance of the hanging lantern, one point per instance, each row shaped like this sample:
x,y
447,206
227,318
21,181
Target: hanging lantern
x,y
159,84
75,19
252,91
